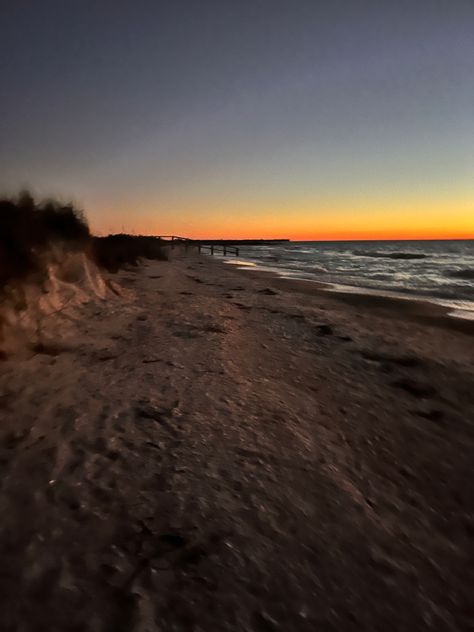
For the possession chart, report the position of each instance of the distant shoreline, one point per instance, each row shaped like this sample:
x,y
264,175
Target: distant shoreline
x,y
239,242
326,241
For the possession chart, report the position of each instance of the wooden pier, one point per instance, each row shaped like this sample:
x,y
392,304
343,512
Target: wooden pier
x,y
222,247
215,249
203,247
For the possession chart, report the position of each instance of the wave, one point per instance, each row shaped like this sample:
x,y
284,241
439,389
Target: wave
x,y
466,273
389,255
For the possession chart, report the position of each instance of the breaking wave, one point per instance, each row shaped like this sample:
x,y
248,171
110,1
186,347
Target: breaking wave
x,y
388,255
467,273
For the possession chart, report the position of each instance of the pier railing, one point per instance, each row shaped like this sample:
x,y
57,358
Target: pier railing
x,y
203,248
215,249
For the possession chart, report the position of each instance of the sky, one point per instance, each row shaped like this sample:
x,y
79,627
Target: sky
x,y
342,119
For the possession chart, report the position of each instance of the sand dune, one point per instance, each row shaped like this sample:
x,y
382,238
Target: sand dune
x,y
41,310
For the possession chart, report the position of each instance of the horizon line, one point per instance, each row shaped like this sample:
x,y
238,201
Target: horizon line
x,y
471,238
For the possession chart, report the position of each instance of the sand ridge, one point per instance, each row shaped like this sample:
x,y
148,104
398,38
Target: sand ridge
x,y
42,309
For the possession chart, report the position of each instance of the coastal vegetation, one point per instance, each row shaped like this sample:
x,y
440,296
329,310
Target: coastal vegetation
x,y
33,233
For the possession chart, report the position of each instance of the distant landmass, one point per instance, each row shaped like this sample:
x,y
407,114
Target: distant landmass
x,y
240,242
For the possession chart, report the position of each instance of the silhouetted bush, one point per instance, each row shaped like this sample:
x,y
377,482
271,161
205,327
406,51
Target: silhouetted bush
x,y
115,251
28,229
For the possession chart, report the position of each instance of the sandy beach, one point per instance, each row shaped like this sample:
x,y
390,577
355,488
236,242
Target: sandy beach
x,y
212,449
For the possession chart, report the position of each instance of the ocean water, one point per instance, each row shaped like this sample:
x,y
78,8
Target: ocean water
x,y
438,271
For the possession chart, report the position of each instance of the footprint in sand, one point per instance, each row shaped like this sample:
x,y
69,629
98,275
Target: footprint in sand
x,y
68,426
195,279
153,445
173,540
214,329
13,439
388,361
105,356
128,281
242,306
324,330
431,415
344,338
386,358
48,348
159,415
414,388
186,334
151,360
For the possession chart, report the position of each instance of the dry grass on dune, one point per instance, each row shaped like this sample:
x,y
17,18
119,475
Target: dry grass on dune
x,y
50,260
115,251
31,232
28,232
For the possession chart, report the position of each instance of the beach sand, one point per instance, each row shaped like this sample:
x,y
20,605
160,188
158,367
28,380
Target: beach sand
x,y
224,450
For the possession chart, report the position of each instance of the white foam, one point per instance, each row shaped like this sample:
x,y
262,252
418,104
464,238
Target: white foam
x,y
462,313
240,262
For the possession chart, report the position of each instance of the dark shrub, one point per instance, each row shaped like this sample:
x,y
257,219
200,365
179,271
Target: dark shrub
x,y
28,229
115,251
64,223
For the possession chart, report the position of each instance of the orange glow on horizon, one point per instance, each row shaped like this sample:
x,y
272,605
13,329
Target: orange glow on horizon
x,y
383,235
332,221
333,235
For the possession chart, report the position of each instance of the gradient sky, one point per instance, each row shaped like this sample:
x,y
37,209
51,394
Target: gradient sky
x,y
244,118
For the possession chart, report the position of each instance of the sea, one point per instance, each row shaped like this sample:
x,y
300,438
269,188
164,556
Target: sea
x,y
440,272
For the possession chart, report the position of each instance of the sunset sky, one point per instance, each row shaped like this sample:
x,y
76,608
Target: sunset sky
x,y
342,119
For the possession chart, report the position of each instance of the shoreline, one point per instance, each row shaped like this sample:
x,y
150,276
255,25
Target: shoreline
x,y
419,308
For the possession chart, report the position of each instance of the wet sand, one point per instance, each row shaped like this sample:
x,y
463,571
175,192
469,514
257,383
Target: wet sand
x,y
218,450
